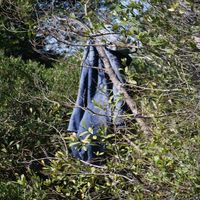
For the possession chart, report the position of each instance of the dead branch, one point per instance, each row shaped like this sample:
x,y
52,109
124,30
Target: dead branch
x,y
132,105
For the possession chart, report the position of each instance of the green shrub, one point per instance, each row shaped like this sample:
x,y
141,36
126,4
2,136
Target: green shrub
x,y
33,110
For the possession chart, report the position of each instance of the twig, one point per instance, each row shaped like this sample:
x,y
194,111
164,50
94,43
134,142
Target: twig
x,y
136,179
154,89
92,165
132,144
59,132
36,159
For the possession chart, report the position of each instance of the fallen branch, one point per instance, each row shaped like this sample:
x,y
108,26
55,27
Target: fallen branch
x,y
132,105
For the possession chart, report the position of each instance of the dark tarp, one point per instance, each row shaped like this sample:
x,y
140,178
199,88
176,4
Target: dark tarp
x,y
98,103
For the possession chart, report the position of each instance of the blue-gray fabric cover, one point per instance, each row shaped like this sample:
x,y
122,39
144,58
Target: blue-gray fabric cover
x,y
98,103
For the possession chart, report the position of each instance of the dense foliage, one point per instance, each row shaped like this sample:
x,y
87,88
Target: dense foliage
x,y
37,94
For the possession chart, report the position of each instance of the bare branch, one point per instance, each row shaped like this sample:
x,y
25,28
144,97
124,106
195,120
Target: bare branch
x,y
132,105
